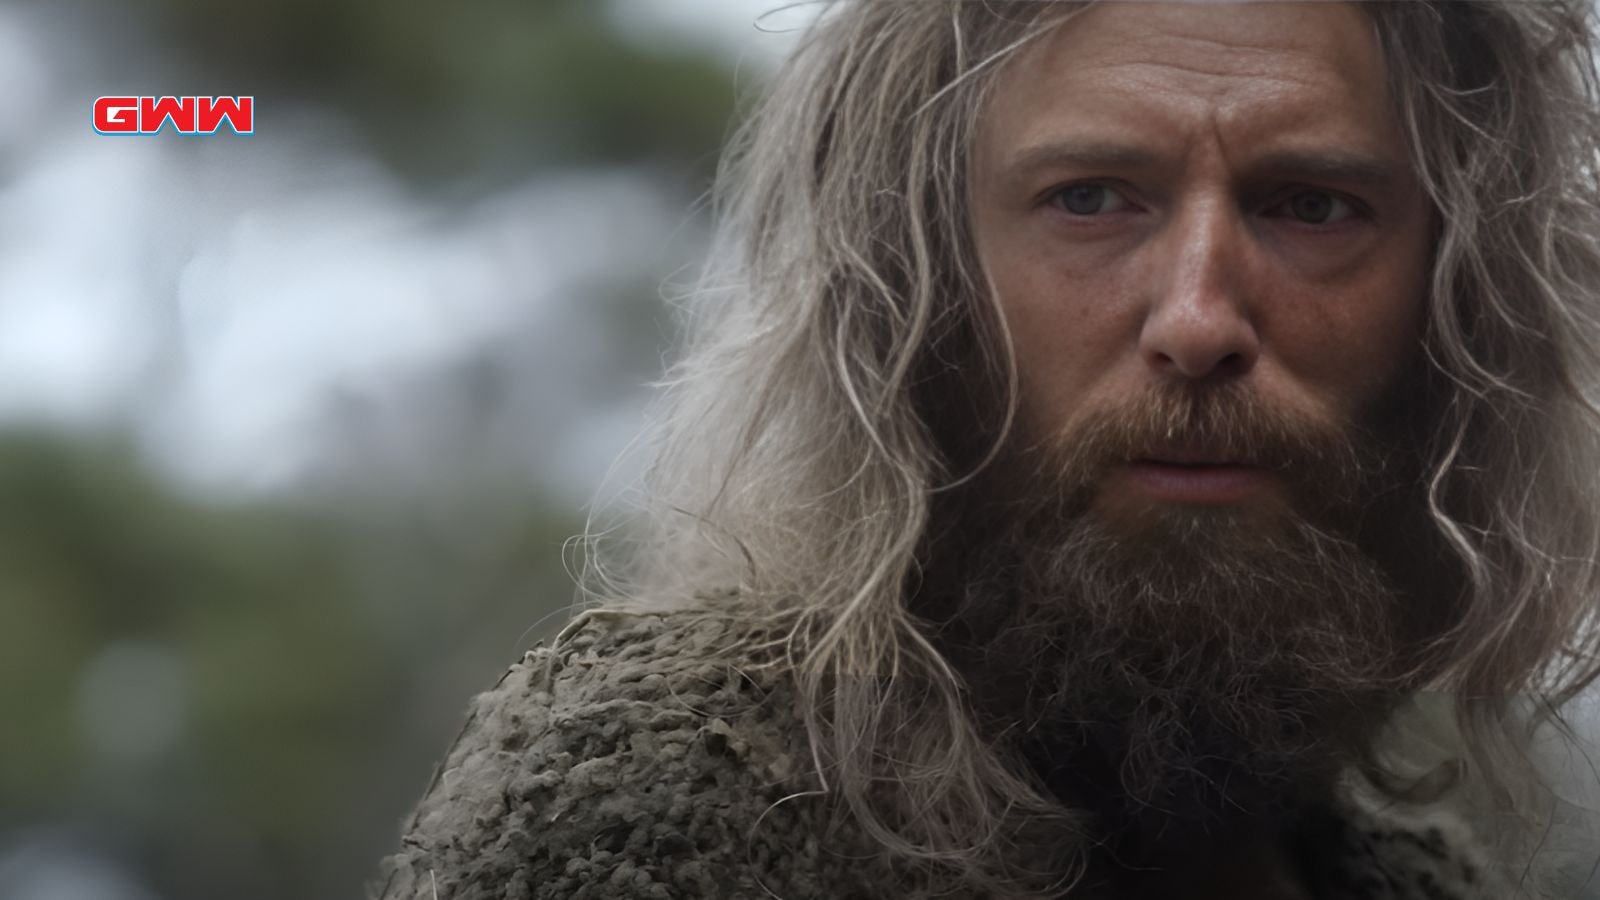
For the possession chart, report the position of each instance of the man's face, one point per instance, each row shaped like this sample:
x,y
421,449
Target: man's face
x,y
1212,256
1192,199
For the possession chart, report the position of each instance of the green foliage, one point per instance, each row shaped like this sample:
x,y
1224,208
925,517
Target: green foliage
x,y
327,645
478,88
301,740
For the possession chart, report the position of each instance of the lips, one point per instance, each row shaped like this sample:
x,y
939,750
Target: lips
x,y
1197,478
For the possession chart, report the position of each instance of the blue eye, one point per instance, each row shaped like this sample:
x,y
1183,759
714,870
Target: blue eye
x,y
1089,199
1319,208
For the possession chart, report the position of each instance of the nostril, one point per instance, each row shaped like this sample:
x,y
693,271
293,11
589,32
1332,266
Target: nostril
x,y
1200,365
1232,364
1206,346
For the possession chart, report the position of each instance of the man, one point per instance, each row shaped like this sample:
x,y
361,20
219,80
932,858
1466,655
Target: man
x,y
1109,420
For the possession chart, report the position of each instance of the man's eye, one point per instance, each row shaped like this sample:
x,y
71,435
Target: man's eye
x,y
1319,208
1089,199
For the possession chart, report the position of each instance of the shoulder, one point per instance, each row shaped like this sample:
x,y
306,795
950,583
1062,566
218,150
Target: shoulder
x,y
637,757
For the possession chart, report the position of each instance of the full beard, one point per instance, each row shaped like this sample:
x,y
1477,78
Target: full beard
x,y
1175,670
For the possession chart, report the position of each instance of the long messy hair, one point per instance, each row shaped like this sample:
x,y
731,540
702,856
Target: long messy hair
x,y
797,455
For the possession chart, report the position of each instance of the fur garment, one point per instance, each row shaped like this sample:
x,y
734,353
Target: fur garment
x,y
632,761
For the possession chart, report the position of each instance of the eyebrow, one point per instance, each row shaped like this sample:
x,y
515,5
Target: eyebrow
x,y
1079,154
1343,166
1350,167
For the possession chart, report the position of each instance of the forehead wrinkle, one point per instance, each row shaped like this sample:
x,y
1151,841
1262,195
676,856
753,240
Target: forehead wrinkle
x,y
1158,77
1162,53
1209,45
1197,90
1215,103
1275,63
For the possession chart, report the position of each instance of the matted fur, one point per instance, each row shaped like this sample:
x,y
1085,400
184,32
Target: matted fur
x,y
797,457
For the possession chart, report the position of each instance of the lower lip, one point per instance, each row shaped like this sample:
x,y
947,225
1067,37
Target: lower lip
x,y
1220,484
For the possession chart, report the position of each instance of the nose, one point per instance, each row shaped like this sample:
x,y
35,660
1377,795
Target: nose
x,y
1199,325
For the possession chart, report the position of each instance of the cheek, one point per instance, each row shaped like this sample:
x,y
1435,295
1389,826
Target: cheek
x,y
1065,329
1353,342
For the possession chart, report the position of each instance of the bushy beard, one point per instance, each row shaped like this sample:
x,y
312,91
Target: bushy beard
x,y
1173,668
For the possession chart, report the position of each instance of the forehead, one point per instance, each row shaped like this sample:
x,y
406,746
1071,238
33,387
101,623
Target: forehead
x,y
1303,75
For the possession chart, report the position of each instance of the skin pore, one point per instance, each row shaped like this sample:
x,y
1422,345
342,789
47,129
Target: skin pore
x,y
1178,199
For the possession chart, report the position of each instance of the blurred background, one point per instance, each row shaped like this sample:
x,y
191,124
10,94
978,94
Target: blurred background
x,y
294,426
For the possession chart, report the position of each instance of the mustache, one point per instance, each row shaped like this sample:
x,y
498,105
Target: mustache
x,y
1332,460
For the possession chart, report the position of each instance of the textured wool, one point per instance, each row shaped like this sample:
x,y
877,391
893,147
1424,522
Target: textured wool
x,y
631,760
